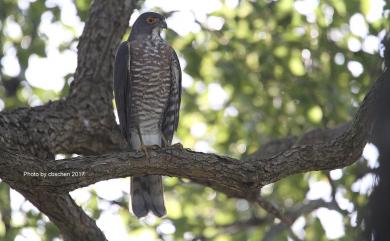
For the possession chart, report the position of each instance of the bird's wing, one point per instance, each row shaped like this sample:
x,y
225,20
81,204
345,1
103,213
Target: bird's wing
x,y
122,87
171,114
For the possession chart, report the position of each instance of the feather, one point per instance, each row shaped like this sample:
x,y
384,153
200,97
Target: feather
x,y
147,194
121,87
171,114
147,86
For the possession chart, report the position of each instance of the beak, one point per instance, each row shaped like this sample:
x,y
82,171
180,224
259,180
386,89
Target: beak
x,y
163,24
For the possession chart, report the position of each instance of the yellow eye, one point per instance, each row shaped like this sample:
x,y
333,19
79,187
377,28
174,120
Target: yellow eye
x,y
151,20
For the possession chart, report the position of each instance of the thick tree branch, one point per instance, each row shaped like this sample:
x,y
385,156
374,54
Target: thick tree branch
x,y
73,222
83,123
237,178
57,127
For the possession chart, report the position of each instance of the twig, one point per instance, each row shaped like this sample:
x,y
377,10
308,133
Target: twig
x,y
270,208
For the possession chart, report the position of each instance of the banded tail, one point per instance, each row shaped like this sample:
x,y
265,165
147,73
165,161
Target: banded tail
x,y
147,194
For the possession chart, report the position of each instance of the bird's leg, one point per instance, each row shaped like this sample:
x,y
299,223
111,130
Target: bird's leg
x,y
166,143
143,147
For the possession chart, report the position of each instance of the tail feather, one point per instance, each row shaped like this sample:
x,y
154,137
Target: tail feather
x,y
147,195
139,194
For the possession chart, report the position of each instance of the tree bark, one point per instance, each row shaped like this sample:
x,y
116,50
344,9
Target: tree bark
x,y
316,150
84,124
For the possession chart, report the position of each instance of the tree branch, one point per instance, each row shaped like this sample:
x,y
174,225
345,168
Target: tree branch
x,y
57,127
295,213
236,178
83,123
73,222
315,136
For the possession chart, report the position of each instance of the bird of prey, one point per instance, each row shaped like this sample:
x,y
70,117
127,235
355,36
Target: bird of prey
x,y
147,88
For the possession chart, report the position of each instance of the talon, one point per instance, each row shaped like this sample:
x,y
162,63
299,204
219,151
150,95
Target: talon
x,y
179,145
145,149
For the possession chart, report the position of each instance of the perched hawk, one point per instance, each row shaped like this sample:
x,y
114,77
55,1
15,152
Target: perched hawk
x,y
147,87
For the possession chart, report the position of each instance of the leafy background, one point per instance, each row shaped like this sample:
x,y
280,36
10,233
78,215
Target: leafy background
x,y
254,71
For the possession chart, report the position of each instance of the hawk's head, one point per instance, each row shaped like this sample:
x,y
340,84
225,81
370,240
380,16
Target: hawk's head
x,y
148,24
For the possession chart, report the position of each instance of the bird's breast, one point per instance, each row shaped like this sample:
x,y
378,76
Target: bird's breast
x,y
150,78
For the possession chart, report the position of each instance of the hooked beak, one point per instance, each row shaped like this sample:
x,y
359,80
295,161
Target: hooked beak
x,y
163,24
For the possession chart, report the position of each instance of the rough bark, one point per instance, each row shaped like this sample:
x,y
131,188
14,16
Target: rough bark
x,y
58,127
238,178
377,217
84,123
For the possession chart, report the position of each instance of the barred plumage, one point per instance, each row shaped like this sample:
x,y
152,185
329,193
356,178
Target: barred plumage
x,y
151,81
147,86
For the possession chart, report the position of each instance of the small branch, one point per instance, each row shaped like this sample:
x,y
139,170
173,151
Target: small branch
x,y
270,208
332,185
315,136
312,205
295,213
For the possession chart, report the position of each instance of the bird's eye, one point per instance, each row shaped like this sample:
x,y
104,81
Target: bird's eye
x,y
151,20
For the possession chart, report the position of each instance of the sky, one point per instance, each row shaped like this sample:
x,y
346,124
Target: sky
x,y
183,21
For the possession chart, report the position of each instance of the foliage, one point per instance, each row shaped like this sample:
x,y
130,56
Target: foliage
x,y
273,69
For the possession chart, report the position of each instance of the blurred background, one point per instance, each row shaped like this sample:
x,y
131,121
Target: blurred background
x,y
254,71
